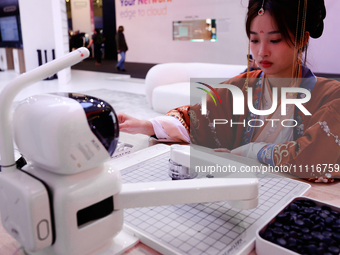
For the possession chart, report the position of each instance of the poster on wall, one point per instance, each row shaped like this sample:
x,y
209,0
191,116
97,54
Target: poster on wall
x,y
195,30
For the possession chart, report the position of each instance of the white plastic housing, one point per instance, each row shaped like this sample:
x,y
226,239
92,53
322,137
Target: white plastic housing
x,y
53,133
72,193
14,87
188,191
25,210
180,154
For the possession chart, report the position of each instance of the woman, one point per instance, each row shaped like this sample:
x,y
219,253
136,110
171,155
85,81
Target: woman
x,y
309,145
122,48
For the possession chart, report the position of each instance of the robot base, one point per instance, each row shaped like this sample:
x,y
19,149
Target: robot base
x,y
77,200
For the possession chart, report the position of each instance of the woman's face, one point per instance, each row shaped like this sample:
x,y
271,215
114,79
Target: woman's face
x,y
271,51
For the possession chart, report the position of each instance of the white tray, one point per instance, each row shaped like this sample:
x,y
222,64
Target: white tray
x,y
264,247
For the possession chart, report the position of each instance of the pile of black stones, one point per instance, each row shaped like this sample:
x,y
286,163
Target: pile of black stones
x,y
305,228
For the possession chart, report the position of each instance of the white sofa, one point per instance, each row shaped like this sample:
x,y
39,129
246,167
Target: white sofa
x,y
168,85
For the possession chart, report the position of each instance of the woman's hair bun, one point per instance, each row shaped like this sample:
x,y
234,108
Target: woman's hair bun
x,y
316,13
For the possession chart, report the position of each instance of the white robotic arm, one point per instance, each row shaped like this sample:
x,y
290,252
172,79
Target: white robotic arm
x,y
189,191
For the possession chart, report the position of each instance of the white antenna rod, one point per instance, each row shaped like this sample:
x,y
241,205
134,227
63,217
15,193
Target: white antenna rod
x,y
8,94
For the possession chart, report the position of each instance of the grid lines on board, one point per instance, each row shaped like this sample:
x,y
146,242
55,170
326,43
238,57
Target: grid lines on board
x,y
205,228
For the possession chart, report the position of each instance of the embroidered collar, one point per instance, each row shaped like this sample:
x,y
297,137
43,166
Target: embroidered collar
x,y
308,82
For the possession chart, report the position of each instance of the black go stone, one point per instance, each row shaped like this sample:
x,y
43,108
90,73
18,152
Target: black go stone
x,y
326,211
267,234
319,237
277,231
308,222
292,213
334,250
315,233
307,237
309,211
271,225
299,223
277,224
311,248
285,235
294,234
316,227
326,234
323,215
310,203
295,228
292,219
335,217
282,217
302,215
293,207
306,228
322,226
336,226
317,208
291,242
335,213
281,241
317,218
329,220
286,227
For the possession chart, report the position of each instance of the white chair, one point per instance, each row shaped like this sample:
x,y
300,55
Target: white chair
x,y
168,85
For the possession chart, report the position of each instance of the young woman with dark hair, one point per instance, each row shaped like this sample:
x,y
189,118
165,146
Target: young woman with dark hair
x,y
309,145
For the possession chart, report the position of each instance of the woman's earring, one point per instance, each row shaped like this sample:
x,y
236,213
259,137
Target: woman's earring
x,y
247,79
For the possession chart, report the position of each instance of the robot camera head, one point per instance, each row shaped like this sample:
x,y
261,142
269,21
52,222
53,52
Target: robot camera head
x,y
65,133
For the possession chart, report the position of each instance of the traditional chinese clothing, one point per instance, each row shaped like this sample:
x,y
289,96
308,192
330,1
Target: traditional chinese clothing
x,y
312,147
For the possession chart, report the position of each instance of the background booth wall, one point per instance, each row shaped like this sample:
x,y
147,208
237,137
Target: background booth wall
x,y
149,33
44,27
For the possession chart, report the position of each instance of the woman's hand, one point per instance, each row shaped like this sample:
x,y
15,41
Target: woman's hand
x,y
222,150
132,125
249,150
236,151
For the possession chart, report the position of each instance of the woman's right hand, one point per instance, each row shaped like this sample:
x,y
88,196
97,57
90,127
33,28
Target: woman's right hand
x,y
132,125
